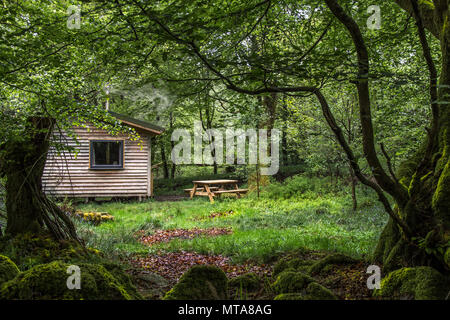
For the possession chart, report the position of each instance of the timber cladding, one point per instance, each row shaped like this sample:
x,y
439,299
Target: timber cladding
x,y
67,175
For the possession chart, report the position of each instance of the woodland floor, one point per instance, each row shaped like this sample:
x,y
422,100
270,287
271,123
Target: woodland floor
x,y
167,236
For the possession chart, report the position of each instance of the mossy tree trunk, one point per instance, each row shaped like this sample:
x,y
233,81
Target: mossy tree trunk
x,y
418,229
22,162
427,175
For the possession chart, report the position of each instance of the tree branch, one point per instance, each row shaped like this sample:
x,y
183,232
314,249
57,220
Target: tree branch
x,y
388,161
396,190
354,164
427,12
432,133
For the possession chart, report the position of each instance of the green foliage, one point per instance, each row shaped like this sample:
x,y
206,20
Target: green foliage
x,y
200,283
299,186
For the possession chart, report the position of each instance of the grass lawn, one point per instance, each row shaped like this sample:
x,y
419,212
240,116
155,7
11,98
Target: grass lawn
x,y
263,229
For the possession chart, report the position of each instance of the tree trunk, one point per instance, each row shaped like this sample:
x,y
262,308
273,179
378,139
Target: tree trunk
x,y
418,231
353,180
427,176
22,162
172,145
24,165
164,159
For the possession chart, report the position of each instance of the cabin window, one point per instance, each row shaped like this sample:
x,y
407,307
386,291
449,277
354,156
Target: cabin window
x,y
106,154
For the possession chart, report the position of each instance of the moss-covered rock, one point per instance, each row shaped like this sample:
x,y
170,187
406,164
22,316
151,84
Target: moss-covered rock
x,y
118,272
8,269
291,281
49,281
28,250
291,263
200,283
289,296
151,285
335,258
419,283
315,291
249,281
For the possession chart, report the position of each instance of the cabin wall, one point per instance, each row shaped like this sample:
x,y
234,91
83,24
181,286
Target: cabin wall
x,y
67,175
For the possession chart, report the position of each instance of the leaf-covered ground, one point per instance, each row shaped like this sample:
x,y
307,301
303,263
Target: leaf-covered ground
x,y
172,265
167,235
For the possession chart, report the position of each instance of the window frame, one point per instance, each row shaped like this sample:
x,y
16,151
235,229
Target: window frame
x,y
93,166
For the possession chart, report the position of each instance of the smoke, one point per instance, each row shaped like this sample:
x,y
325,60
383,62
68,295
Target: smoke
x,y
146,100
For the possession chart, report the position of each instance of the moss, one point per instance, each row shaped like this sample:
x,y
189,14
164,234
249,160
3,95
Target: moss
x,y
447,257
290,281
248,281
8,269
49,281
27,250
289,296
388,239
291,263
441,197
311,291
200,283
428,4
335,258
419,283
408,167
315,291
119,273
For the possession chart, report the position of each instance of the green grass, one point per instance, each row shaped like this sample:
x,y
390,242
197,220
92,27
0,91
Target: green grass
x,y
263,228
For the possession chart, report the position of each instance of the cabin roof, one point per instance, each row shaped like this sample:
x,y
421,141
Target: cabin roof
x,y
136,123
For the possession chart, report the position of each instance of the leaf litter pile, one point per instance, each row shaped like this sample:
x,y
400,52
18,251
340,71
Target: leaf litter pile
x,y
347,281
167,235
172,265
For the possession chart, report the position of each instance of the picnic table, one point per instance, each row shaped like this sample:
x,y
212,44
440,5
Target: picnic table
x,y
214,188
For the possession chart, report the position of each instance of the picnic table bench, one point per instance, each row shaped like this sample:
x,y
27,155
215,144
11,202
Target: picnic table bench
x,y
214,188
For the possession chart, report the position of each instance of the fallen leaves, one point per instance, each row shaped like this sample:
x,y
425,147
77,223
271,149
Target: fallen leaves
x,y
221,214
172,265
347,281
167,235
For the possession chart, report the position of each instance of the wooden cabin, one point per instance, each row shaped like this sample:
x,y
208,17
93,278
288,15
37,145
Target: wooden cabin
x,y
105,166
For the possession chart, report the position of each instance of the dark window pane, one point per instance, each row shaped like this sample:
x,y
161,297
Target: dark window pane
x,y
107,153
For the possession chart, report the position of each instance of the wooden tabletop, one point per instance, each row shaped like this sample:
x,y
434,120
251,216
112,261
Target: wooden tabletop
x,y
215,181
